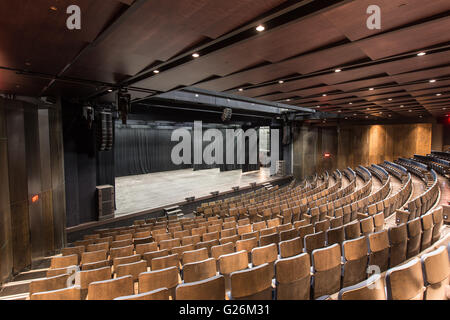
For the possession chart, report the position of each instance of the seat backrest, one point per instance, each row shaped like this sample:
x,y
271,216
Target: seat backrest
x,y
93,256
290,248
288,234
267,254
244,229
327,270
49,284
252,284
72,293
405,282
247,244
110,289
89,276
335,235
269,238
158,294
122,252
209,289
124,260
146,247
436,270
355,253
63,261
352,230
133,269
398,239
165,262
229,263
200,270
163,278
293,277
314,241
149,256
370,289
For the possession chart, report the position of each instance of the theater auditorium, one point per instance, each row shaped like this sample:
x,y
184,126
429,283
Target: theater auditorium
x,y
224,150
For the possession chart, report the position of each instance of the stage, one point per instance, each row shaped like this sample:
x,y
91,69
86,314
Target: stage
x,y
145,192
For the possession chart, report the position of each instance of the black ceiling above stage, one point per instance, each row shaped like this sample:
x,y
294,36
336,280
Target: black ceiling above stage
x,y
293,61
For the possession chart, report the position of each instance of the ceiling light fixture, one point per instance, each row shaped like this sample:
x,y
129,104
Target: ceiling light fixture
x,y
371,89
409,110
240,89
421,54
156,71
432,81
195,55
337,70
260,28
53,8
350,102
401,106
110,90
389,99
281,82
438,94
324,95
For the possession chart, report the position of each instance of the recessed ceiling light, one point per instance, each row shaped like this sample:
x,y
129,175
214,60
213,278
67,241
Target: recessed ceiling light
x,y
240,89
110,90
432,81
339,111
444,108
281,82
350,102
389,99
409,110
337,70
53,8
195,55
420,116
324,95
420,54
317,106
438,94
389,115
288,100
346,118
371,89
156,71
260,28
196,95
401,106
354,114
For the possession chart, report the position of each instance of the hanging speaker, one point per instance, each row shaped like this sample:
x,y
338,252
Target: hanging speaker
x,y
226,115
104,131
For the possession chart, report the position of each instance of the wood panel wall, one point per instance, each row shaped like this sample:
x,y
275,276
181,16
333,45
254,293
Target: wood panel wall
x,y
30,164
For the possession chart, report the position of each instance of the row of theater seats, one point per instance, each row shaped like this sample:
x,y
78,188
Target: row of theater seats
x,y
439,165
321,271
308,234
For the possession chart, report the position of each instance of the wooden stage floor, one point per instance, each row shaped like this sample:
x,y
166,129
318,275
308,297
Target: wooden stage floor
x,y
154,190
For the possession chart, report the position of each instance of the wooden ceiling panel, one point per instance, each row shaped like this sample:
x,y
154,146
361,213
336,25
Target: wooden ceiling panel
x,y
351,18
400,41
417,63
422,75
362,84
12,83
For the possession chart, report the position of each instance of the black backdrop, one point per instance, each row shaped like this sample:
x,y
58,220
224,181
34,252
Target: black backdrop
x,y
145,149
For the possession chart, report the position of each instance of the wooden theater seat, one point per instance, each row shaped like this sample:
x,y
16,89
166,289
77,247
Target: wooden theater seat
x,y
327,271
49,284
398,239
267,254
110,289
379,250
133,269
159,294
290,248
165,262
252,284
63,261
200,270
293,277
208,289
164,278
89,276
436,270
72,293
355,254
370,289
405,282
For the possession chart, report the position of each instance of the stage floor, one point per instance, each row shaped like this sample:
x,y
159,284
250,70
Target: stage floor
x,y
154,190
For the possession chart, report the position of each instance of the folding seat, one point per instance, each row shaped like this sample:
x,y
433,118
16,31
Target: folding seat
x,y
133,269
227,233
122,237
108,239
142,234
436,270
87,277
398,239
165,262
405,282
95,265
305,230
211,236
352,230
438,220
327,271
273,223
194,256
267,239
322,226
231,225
336,222
414,238
229,263
63,261
91,236
194,239
83,243
244,229
149,256
159,294
291,247
72,293
229,219
378,221
301,223
138,241
267,231
199,231
314,241
335,235
163,278
199,270
355,258
367,226
347,214
370,289
266,254
207,244
49,284
293,277
146,247
98,247
110,289
252,284
214,228
427,230
122,252
124,260
122,243
181,234
209,289
288,234
259,225
379,250
247,245
232,239
78,250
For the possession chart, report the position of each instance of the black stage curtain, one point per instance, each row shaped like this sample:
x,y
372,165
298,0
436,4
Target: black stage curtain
x,y
143,150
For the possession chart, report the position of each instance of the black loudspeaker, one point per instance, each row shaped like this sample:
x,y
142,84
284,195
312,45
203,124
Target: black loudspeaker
x,y
104,131
226,115
105,202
